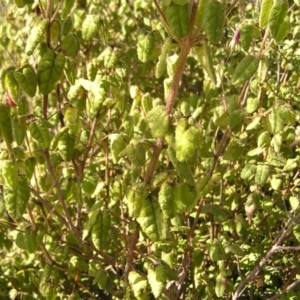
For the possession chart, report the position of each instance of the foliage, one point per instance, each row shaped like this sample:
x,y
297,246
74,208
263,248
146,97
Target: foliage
x,y
149,149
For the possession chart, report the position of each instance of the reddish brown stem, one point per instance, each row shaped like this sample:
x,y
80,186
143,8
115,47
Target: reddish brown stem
x,y
151,167
185,49
134,236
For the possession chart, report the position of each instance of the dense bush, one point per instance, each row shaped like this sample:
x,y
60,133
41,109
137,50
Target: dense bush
x,y
149,149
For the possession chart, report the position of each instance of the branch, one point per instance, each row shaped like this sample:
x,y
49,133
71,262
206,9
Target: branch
x,y
50,208
164,20
193,14
60,196
185,49
262,45
278,241
289,248
186,260
133,239
154,159
288,289
89,145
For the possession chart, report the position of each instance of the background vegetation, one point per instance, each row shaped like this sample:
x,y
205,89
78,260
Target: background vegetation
x,y
149,149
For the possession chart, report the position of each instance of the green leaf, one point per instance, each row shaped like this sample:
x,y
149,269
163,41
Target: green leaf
x,y
185,197
20,3
5,123
10,173
150,219
198,256
216,250
70,71
50,70
186,142
40,133
200,12
19,132
178,19
280,117
236,249
71,115
157,279
183,168
13,88
55,30
135,152
262,174
135,198
277,17
220,214
161,63
294,202
90,223
57,137
276,183
166,200
100,230
145,46
117,144
17,198
277,142
67,25
220,285
110,56
213,20
89,183
147,102
245,69
291,164
248,33
67,7
158,121
233,151
262,70
248,171
265,9
70,45
27,241
235,119
66,146
204,56
29,166
283,30
138,285
90,26
36,34
263,140
27,79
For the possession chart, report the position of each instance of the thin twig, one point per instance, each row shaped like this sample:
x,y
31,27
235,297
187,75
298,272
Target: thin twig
x,y
164,20
60,196
133,239
193,14
285,291
231,8
289,248
278,241
186,260
57,10
185,49
48,205
89,145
